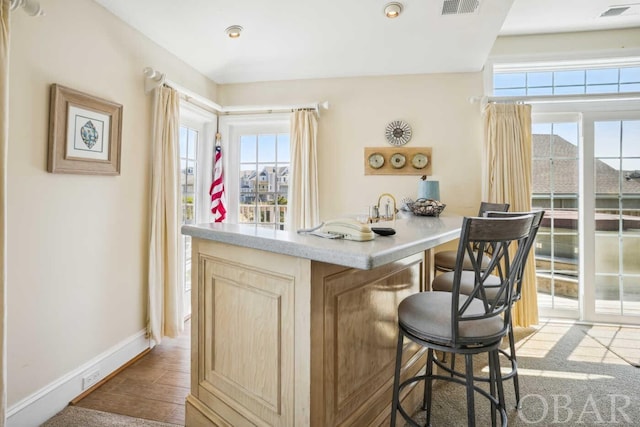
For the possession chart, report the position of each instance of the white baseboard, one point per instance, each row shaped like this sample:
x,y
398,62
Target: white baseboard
x,y
51,399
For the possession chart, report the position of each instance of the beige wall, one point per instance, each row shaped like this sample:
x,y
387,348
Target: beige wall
x,y
436,106
566,46
77,244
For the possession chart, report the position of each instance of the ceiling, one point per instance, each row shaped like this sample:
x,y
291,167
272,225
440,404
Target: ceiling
x,y
294,39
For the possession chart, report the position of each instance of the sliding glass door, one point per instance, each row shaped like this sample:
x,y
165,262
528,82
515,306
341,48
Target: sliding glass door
x,y
612,225
555,181
586,176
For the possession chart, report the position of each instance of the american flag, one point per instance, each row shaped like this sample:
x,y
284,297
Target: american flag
x,y
216,191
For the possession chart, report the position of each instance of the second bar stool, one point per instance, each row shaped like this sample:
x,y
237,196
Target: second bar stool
x,y
446,260
467,325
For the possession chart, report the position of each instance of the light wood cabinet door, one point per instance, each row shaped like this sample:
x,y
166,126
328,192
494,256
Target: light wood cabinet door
x,y
246,319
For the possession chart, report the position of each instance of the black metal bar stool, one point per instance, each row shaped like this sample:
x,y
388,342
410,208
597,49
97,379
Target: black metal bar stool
x,y
461,324
444,282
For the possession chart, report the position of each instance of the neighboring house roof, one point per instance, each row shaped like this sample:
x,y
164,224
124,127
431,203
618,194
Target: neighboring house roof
x,y
251,173
565,172
247,174
565,180
280,170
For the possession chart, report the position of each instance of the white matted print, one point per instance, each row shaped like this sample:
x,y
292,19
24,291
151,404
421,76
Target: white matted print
x,y
84,133
87,134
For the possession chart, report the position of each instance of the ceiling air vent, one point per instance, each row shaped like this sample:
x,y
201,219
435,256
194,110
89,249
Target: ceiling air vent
x,y
615,11
621,9
457,7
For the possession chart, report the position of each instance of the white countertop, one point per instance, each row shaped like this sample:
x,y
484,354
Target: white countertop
x,y
413,234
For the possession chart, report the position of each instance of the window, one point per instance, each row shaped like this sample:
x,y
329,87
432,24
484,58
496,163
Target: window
x,y
584,163
257,169
188,140
580,80
555,177
582,173
616,154
195,138
264,179
188,176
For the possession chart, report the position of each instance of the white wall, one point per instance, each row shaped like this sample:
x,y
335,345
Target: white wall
x,y
77,244
437,108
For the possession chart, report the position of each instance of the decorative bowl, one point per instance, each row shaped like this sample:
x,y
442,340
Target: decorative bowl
x,y
427,207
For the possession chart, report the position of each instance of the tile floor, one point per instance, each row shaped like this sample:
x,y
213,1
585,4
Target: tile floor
x,y
154,387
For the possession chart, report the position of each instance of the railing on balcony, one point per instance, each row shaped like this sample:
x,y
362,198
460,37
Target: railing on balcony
x,y
617,252
268,214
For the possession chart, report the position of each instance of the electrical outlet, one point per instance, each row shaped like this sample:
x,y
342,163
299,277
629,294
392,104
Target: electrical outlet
x,y
90,378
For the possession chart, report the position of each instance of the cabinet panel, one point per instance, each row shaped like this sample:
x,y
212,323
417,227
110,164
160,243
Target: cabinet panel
x,y
360,335
285,341
248,313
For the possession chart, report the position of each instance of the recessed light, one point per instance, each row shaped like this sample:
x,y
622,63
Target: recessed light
x,y
392,10
233,31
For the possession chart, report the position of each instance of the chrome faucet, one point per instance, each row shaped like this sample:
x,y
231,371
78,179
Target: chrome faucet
x,y
389,214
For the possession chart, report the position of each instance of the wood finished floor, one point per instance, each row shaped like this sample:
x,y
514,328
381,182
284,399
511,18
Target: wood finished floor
x,y
154,387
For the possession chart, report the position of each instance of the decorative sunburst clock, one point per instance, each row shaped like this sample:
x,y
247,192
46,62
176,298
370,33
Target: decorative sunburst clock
x,y
398,132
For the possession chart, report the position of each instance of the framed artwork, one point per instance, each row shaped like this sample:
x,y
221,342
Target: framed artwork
x,y
84,133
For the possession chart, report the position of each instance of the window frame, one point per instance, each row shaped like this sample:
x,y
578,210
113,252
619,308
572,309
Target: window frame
x,y
231,127
583,108
204,123
553,63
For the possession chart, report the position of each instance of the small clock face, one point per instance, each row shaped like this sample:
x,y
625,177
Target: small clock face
x,y
398,132
376,160
419,161
398,160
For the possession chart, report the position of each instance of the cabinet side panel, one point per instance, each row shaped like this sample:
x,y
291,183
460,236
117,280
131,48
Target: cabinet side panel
x,y
246,338
359,327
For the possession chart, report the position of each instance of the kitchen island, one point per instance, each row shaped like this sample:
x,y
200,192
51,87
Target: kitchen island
x,y
291,329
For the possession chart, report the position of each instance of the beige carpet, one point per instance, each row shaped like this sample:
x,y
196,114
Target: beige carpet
x,y
570,375
624,342
75,416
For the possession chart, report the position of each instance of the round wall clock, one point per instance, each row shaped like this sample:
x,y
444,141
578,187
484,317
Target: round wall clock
x,y
419,161
398,132
397,160
376,160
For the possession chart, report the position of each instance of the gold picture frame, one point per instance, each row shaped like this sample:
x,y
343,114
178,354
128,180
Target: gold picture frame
x,y
84,133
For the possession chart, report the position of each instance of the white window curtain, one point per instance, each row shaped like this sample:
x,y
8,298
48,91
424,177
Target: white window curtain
x,y
165,287
303,208
4,142
507,179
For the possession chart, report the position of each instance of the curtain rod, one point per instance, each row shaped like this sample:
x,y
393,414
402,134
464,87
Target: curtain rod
x,y
552,99
155,79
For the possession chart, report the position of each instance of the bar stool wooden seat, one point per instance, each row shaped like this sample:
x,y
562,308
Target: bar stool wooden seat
x,y
465,324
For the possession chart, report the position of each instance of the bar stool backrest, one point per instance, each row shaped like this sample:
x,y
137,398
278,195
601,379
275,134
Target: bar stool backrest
x,y
535,226
492,207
